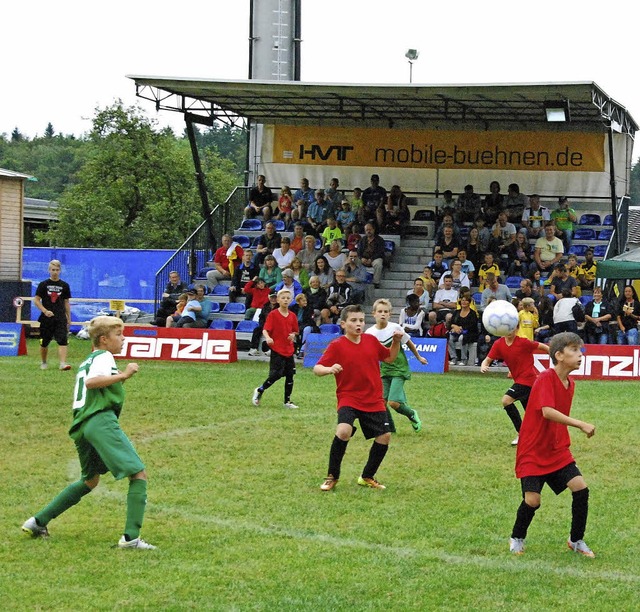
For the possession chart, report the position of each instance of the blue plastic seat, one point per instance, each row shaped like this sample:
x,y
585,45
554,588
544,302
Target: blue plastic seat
x,y
608,220
221,324
318,244
243,241
330,328
390,246
605,234
584,233
246,326
578,250
477,298
424,215
513,282
220,290
590,219
252,225
234,308
600,250
585,299
279,225
215,307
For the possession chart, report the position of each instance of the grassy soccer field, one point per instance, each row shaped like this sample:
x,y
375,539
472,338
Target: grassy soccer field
x,y
241,524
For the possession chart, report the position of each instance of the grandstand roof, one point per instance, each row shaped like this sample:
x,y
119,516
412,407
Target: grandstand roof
x,y
489,106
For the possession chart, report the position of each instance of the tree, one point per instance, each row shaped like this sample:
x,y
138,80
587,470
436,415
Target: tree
x,y
49,131
16,135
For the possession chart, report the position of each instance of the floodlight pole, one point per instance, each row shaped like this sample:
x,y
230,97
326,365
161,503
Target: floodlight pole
x,y
410,71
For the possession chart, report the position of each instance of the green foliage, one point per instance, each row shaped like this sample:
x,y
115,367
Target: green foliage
x,y
634,189
235,506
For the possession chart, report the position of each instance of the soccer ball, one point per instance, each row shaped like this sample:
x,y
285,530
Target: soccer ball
x,y
500,318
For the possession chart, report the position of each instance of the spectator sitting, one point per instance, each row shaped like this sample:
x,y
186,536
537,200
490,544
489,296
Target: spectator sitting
x,y
297,240
175,317
395,215
224,261
299,273
548,250
430,284
334,255
412,316
421,292
175,287
373,199
257,290
323,271
447,220
270,272
332,194
458,277
242,274
545,319
488,267
573,270
306,322
357,277
317,212
515,203
285,204
437,266
309,254
448,245
357,204
536,281
468,205
466,291
467,265
284,255
587,271
354,237
463,331
528,320
260,198
257,342
302,198
527,291
494,290
197,310
267,243
519,256
534,217
597,314
484,234
316,296
339,295
564,217
371,250
628,317
444,302
446,204
563,318
331,232
493,204
473,248
562,282
503,235
288,282
345,217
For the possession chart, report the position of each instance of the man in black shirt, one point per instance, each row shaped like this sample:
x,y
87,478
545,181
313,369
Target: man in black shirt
x,y
260,198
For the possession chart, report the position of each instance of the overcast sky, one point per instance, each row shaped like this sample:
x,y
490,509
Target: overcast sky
x,y
63,59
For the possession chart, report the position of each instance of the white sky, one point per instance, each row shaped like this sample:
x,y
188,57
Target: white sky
x,y
61,60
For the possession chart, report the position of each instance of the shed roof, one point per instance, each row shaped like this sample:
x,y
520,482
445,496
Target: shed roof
x,y
487,106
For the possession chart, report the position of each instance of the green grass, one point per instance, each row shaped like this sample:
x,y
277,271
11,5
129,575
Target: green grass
x,y
236,510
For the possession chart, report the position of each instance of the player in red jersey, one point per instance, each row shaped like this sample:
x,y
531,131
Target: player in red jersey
x,y
517,353
543,454
354,359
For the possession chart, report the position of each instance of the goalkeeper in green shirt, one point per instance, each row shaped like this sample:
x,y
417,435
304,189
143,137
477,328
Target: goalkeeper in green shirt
x,y
101,445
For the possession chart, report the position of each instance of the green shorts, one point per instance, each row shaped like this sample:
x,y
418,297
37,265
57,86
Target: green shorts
x,y
103,447
393,389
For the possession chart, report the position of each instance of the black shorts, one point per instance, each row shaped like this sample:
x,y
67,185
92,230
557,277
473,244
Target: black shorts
x,y
519,393
373,424
52,328
557,480
280,366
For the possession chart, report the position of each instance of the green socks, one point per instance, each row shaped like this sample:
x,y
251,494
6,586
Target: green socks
x,y
64,500
136,503
404,410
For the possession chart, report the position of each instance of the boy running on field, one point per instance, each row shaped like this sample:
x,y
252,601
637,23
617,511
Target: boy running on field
x,y
543,454
280,332
517,353
354,360
394,374
101,445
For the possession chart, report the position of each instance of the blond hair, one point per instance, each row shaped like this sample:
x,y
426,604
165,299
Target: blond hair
x,y
103,326
382,302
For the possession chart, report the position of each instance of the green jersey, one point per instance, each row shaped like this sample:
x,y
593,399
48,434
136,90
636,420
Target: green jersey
x,y
87,402
561,218
400,367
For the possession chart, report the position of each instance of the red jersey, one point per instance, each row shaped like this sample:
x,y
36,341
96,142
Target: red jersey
x,y
221,258
279,327
543,445
259,297
518,357
359,385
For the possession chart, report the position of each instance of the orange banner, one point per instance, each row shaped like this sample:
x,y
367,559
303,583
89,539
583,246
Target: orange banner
x,y
375,147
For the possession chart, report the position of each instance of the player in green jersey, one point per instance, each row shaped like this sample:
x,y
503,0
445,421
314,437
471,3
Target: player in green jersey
x,y
394,374
101,445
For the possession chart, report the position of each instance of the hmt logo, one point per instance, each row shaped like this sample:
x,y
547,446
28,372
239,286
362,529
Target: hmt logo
x,y
316,151
191,349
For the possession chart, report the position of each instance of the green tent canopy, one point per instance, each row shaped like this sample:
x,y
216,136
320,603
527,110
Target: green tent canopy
x,y
625,266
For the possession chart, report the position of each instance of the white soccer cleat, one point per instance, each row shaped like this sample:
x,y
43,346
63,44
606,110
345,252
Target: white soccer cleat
x,y
255,400
137,543
290,405
31,527
515,441
516,546
580,547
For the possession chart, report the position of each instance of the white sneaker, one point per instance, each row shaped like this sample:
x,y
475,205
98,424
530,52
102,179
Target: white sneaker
x,y
452,362
31,527
267,353
254,353
44,365
580,547
516,546
514,442
65,366
290,405
462,363
255,400
137,543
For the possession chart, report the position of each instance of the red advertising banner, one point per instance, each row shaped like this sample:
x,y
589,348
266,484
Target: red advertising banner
x,y
178,344
602,362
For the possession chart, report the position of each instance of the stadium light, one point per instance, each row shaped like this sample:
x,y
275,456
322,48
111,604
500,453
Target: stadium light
x,y
412,56
557,112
